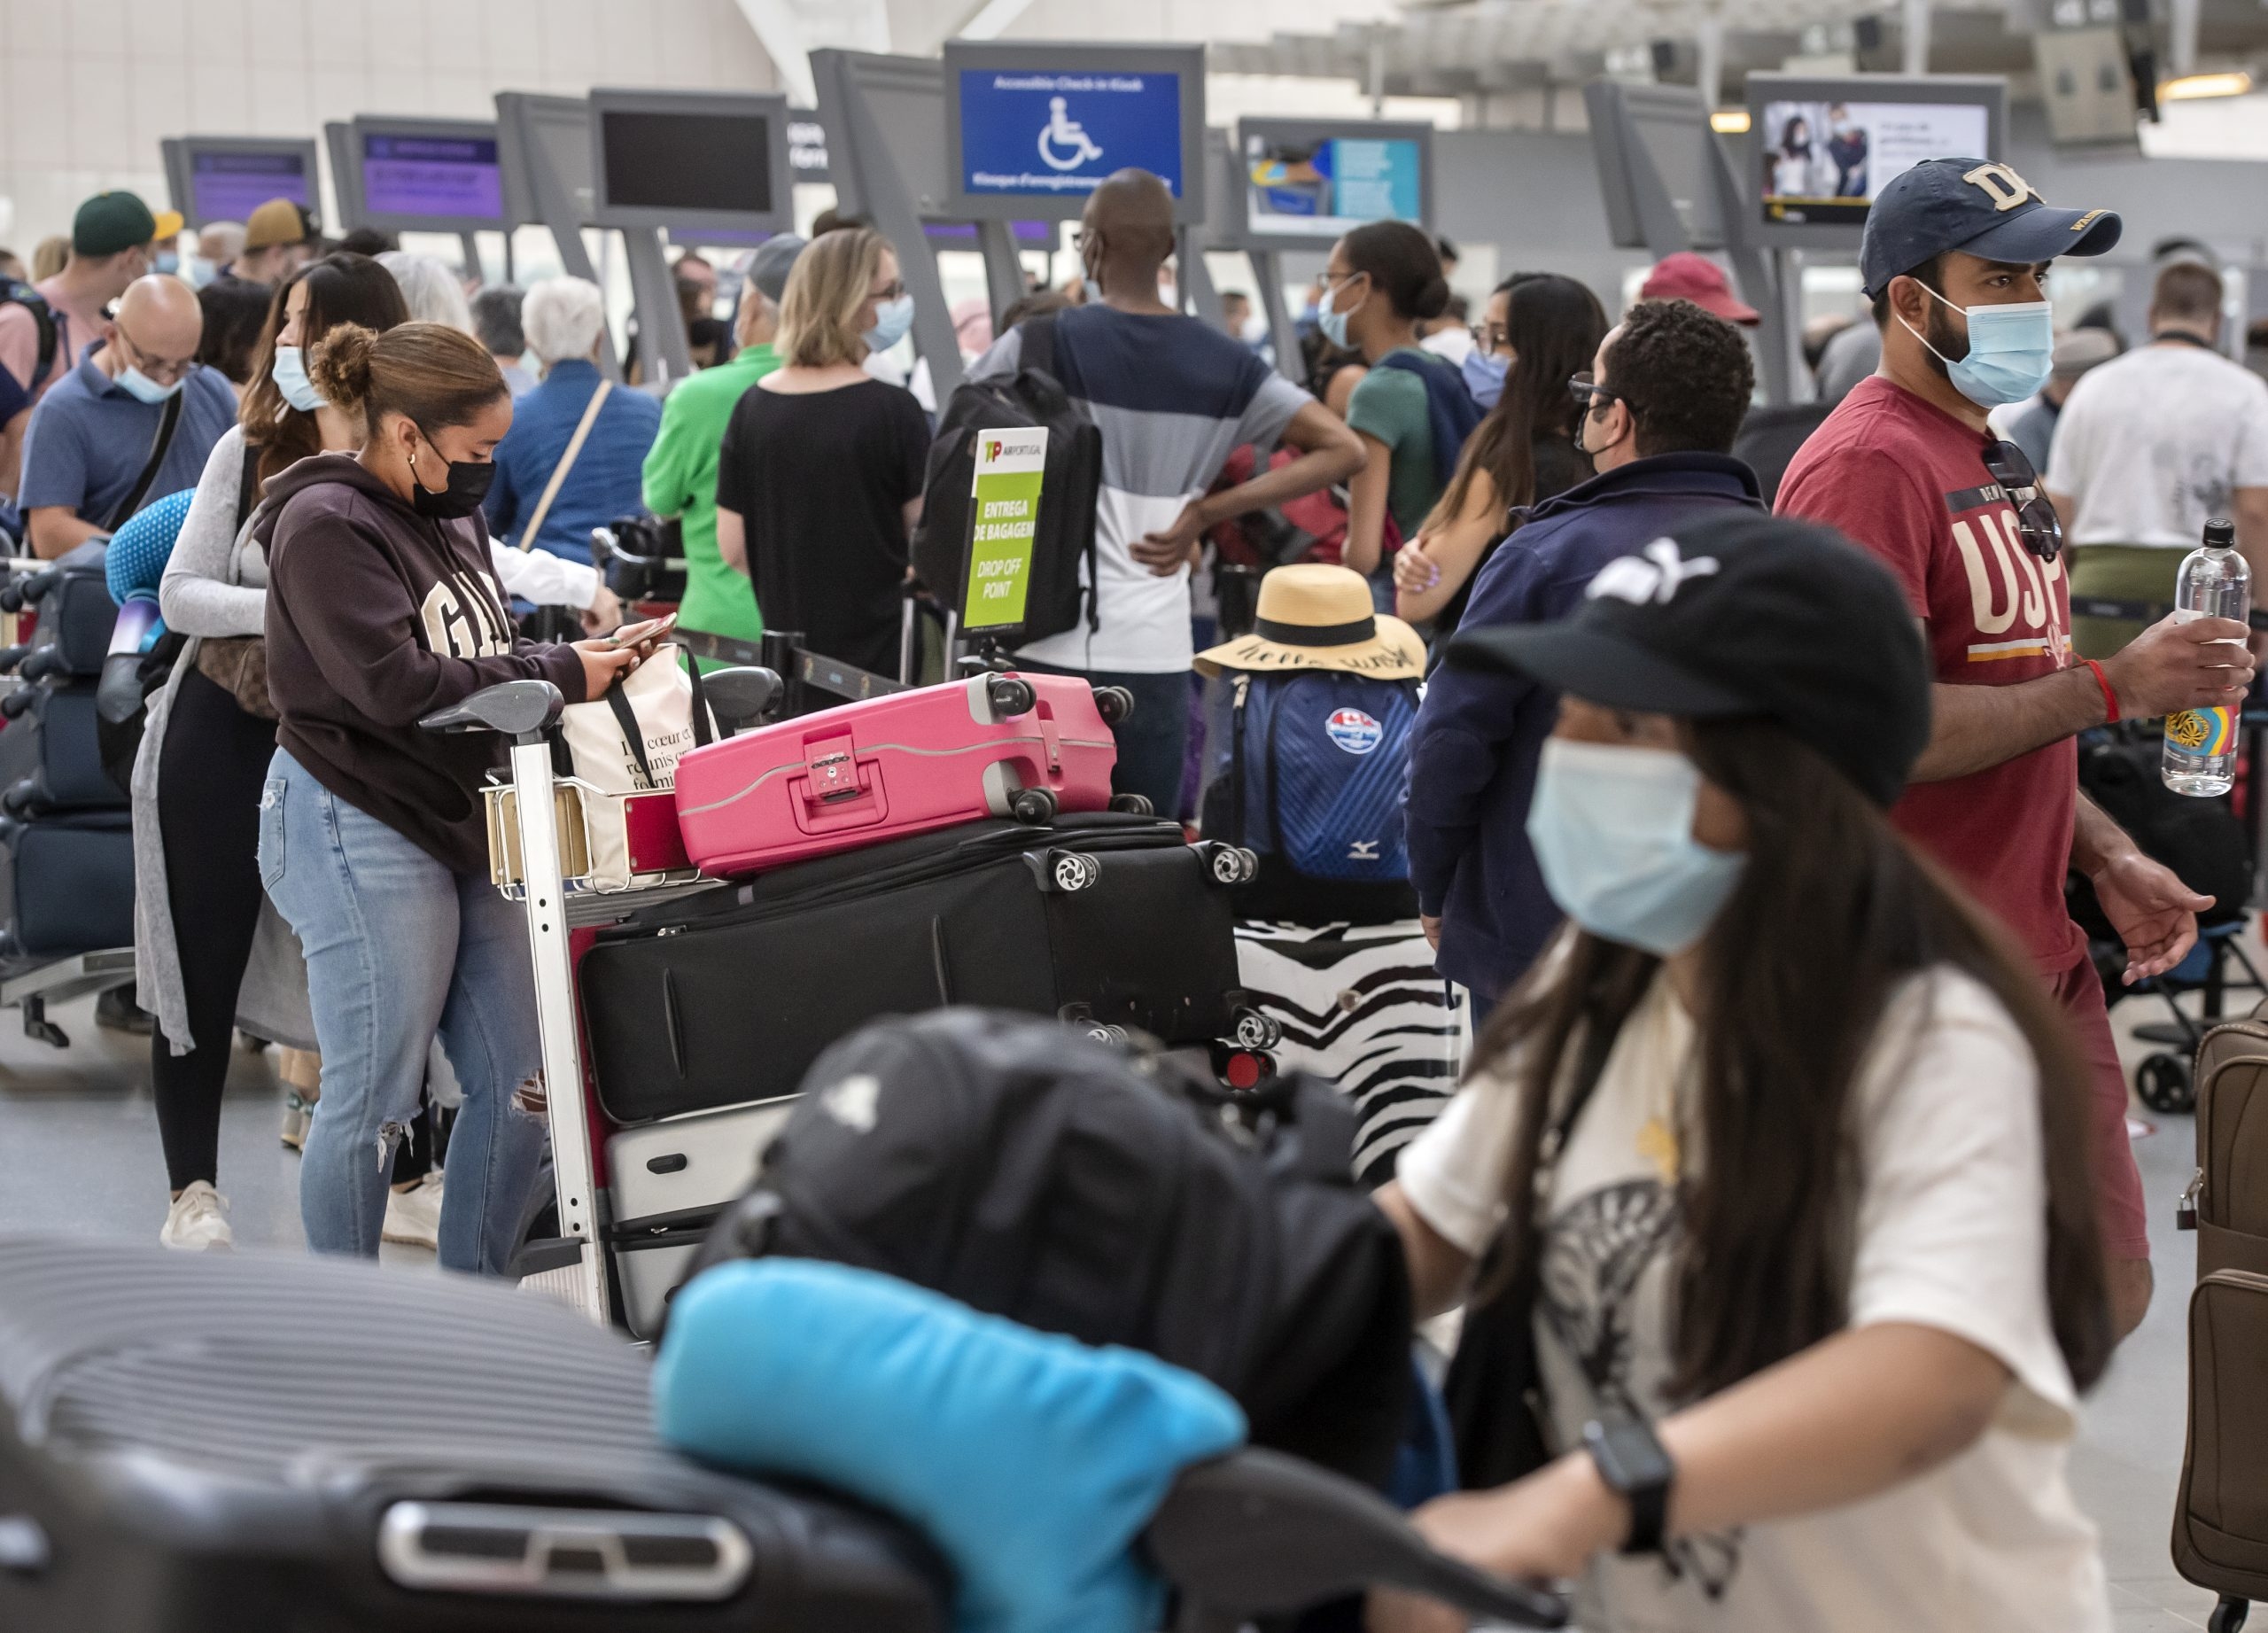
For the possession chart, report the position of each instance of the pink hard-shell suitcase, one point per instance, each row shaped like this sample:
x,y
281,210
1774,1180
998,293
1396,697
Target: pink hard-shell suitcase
x,y
1002,745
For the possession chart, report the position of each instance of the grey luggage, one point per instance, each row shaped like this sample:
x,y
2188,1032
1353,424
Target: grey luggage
x,y
216,1443
669,1182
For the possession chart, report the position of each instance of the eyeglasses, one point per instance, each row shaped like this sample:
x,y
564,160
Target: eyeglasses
x,y
1590,395
164,370
2036,523
888,291
1492,337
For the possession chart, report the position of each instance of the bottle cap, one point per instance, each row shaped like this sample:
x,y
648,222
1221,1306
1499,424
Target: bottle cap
x,y
2220,534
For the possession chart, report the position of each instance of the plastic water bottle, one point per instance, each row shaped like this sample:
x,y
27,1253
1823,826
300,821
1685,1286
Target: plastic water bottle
x,y
2201,744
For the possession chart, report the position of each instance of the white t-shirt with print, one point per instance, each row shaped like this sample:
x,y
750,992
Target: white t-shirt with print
x,y
1950,1235
2152,444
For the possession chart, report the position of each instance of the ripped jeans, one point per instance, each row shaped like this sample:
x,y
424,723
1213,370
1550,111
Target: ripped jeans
x,y
399,947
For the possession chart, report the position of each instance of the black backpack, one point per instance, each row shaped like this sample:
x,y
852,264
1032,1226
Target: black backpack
x,y
1073,482
1033,1173
15,294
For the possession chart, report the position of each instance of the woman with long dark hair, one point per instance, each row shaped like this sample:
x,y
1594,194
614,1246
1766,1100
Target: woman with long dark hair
x,y
1779,1154
1541,331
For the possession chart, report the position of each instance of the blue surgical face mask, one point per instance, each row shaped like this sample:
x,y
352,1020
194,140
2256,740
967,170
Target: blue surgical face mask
x,y
169,261
143,388
1612,827
892,319
289,373
1333,322
1484,376
2011,350
198,270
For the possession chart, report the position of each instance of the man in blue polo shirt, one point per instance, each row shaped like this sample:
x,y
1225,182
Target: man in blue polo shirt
x,y
97,430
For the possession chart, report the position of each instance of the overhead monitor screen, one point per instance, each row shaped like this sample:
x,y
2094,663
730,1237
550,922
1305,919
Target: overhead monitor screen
x,y
1056,135
229,185
1824,162
1325,186
431,175
699,163
1031,129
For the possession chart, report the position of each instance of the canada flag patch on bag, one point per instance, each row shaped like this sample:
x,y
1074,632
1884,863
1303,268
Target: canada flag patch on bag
x,y
1353,731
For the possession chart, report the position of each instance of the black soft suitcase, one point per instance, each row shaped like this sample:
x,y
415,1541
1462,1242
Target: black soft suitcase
x,y
730,997
51,752
75,615
66,884
271,1442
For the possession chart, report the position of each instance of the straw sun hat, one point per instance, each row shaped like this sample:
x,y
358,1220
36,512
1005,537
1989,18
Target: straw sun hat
x,y
1317,617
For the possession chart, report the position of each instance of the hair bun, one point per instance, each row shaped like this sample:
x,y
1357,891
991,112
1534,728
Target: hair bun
x,y
1432,300
340,367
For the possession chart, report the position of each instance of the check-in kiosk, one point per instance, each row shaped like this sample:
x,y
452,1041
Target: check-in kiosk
x,y
1670,184
1304,184
704,166
226,178
1030,128
425,175
545,144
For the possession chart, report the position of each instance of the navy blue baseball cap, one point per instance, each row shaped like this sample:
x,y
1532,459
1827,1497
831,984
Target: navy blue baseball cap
x,y
1975,206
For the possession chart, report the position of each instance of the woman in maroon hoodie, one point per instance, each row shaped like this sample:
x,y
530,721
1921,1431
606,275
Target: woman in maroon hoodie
x,y
382,607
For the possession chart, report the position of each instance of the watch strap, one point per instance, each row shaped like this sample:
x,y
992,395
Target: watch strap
x,y
1644,1481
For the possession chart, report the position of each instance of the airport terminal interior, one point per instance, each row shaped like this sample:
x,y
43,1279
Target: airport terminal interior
x,y
1079,816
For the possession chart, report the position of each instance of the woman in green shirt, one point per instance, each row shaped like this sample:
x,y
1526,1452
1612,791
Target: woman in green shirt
x,y
1384,281
681,473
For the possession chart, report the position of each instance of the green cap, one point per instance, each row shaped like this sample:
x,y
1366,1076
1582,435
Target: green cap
x,y
109,222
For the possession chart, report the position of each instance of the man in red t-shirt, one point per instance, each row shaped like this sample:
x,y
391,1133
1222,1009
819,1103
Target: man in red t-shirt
x,y
1954,254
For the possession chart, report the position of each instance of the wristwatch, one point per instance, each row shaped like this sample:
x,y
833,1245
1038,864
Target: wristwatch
x,y
1631,1463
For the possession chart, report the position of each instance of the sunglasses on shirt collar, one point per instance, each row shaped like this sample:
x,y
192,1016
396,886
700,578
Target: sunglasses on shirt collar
x,y
2036,523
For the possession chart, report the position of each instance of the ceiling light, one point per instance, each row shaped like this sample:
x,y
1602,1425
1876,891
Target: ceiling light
x,y
2195,87
1734,122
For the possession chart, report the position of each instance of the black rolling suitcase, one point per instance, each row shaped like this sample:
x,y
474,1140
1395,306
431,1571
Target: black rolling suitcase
x,y
66,884
262,1442
51,752
1099,918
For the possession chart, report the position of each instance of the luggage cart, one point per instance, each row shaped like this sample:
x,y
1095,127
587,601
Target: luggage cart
x,y
548,838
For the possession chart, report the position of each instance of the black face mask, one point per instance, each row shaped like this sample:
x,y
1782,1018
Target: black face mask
x,y
468,481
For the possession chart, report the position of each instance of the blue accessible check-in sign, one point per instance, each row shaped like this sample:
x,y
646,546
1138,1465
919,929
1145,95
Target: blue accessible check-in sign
x,y
1048,134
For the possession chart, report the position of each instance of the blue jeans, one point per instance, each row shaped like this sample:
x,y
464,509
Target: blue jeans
x,y
398,948
1154,741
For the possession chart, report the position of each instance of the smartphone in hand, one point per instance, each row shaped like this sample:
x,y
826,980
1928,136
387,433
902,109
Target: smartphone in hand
x,y
644,631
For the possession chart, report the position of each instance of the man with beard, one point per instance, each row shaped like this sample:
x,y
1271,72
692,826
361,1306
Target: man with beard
x,y
1954,259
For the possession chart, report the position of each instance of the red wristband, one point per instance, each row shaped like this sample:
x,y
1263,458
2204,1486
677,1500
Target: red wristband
x,y
2109,698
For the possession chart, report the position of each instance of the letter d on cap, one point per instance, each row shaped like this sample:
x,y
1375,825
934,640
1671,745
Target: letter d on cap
x,y
2003,186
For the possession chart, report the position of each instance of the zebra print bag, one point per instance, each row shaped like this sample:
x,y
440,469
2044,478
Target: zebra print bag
x,y
1362,1007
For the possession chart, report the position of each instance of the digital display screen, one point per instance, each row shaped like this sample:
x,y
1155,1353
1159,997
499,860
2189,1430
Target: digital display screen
x,y
1331,185
431,175
1824,162
228,186
702,164
1027,134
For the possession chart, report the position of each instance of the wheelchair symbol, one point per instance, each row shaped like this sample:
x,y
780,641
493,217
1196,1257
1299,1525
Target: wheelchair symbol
x,y
1062,133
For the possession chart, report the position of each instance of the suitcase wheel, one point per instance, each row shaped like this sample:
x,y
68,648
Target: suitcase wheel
x,y
1114,703
1008,696
16,703
1132,805
1228,864
1034,805
2164,1083
1255,1030
2228,1615
1071,870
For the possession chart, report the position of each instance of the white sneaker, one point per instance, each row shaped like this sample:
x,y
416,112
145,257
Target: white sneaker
x,y
414,1217
199,1221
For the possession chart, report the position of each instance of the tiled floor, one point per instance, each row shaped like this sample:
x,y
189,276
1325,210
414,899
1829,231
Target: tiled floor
x,y
79,1152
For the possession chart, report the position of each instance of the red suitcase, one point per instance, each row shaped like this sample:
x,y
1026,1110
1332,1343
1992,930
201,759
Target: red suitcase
x,y
1003,745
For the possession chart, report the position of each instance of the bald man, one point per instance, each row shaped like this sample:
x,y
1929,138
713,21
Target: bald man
x,y
1173,396
135,420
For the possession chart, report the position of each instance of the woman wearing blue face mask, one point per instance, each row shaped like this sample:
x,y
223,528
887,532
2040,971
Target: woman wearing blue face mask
x,y
1539,330
818,477
205,754
1778,1159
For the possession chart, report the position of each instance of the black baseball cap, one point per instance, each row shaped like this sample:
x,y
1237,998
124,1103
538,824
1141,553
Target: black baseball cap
x,y
1976,205
1743,614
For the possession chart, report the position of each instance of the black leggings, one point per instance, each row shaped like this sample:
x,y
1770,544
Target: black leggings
x,y
210,769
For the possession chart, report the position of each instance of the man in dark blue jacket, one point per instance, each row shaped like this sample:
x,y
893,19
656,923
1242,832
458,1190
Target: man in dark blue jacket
x,y
1662,405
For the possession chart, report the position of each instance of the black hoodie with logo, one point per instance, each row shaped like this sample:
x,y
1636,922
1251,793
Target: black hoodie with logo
x,y
376,616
